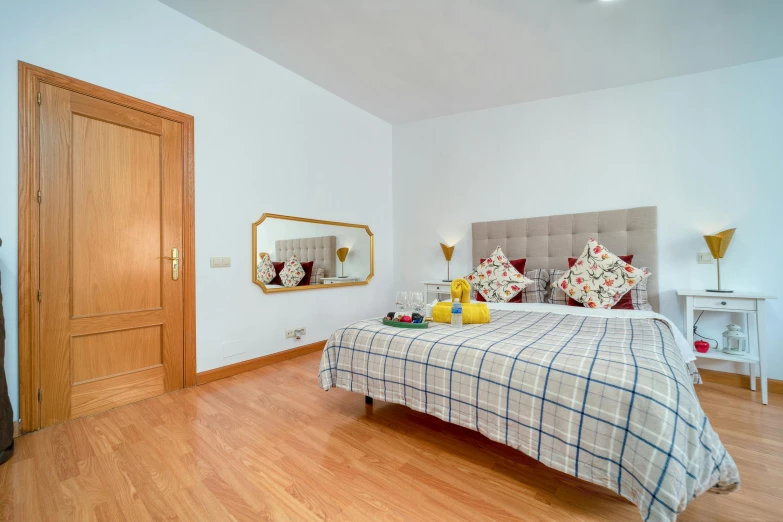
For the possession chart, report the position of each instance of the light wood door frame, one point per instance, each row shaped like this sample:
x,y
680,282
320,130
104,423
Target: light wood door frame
x,y
30,77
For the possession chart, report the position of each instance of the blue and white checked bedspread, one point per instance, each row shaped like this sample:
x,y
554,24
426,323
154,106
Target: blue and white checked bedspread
x,y
608,400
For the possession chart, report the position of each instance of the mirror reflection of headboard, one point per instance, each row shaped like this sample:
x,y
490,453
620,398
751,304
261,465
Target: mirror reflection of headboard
x,y
548,242
321,250
342,253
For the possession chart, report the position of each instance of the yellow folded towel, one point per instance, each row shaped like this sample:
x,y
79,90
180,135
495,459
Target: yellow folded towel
x,y
472,313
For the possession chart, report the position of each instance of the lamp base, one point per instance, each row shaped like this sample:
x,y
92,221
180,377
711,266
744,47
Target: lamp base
x,y
448,280
720,291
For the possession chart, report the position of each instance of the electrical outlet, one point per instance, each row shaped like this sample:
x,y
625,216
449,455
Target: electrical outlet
x,y
705,258
293,333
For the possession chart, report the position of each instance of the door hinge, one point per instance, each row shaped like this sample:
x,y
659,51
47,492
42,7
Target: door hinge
x,y
39,296
39,196
40,395
39,98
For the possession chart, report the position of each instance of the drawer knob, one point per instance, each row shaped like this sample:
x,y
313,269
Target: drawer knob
x,y
723,303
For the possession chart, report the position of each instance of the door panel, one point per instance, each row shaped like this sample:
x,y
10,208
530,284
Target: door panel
x,y
100,355
111,314
117,218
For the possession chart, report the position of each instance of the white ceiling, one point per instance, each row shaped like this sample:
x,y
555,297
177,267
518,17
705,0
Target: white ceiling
x,y
405,60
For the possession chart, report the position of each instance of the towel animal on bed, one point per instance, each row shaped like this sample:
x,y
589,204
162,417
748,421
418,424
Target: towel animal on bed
x,y
472,313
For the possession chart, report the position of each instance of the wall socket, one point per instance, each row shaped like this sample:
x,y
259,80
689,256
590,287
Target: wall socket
x,y
296,332
705,258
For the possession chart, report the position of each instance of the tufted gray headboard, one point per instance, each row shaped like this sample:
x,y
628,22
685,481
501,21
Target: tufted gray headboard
x,y
322,250
548,242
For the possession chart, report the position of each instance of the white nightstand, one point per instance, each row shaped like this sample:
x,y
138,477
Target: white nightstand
x,y
438,288
748,303
338,280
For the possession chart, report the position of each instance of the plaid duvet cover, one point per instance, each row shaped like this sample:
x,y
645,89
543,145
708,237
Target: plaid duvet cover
x,y
606,399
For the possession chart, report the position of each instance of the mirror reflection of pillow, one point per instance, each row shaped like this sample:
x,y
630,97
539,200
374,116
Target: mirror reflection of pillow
x,y
265,270
292,272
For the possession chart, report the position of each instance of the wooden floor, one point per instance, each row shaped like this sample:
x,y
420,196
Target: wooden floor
x,y
269,444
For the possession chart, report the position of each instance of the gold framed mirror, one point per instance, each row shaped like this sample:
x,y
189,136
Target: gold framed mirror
x,y
294,253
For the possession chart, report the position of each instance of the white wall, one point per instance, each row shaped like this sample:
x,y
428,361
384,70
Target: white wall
x,y
707,149
260,132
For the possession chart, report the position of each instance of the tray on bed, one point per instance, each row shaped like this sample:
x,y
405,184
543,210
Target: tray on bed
x,y
398,324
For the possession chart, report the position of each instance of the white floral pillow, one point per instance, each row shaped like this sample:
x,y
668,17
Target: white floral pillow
x,y
496,280
292,272
599,278
265,270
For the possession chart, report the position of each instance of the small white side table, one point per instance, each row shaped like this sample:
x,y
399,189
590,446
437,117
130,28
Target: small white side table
x,y
436,287
338,280
749,303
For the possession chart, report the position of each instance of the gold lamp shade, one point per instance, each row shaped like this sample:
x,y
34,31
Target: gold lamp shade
x,y
342,253
718,244
448,251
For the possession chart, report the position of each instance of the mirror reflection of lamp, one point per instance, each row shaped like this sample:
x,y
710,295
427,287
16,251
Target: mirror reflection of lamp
x,y
342,253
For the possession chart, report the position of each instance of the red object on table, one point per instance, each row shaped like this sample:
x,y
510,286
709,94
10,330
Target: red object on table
x,y
405,319
702,346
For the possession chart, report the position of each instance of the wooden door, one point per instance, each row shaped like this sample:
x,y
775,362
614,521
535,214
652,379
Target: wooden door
x,y
111,310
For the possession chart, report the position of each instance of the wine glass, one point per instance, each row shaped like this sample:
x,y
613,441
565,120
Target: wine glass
x,y
402,300
416,301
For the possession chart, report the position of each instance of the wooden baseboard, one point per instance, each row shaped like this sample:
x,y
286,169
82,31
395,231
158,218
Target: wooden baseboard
x,y
738,380
258,362
17,429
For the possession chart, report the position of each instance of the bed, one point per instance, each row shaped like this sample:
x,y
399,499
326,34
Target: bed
x,y
604,395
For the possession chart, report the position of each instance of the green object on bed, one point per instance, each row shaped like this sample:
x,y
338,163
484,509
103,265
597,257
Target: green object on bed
x,y
400,324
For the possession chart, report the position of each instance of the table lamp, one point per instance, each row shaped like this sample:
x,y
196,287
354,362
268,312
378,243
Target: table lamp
x,y
342,253
448,251
718,244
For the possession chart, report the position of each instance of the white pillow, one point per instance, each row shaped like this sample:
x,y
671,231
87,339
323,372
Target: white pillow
x,y
599,278
292,272
265,270
497,280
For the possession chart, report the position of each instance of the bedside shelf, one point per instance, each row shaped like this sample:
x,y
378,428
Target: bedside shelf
x,y
750,304
720,356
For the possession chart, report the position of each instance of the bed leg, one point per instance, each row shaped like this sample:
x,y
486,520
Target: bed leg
x,y
368,405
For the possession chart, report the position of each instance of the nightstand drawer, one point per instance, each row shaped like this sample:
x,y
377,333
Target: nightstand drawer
x,y
724,303
445,288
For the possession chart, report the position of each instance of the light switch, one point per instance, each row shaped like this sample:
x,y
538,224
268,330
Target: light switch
x,y
705,258
226,261
214,262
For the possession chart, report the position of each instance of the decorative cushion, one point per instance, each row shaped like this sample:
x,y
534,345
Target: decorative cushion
x,y
599,278
497,280
639,299
625,301
265,270
536,292
292,273
278,268
308,268
556,295
519,264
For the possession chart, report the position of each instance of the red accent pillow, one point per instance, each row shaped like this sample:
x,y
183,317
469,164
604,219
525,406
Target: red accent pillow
x,y
625,302
278,267
519,264
308,268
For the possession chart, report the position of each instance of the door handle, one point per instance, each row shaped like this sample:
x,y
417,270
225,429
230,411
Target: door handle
x,y
174,263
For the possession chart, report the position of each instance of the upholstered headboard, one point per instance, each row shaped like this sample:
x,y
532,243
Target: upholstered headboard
x,y
548,242
322,250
